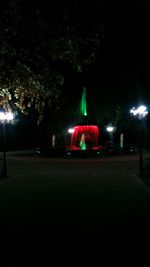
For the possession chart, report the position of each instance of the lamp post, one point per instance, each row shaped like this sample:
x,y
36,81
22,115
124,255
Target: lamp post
x,y
5,117
110,129
140,113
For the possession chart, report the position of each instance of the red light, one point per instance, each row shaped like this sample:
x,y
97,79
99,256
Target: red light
x,y
91,137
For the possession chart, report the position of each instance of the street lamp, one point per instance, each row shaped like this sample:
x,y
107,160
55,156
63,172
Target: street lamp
x,y
71,130
110,129
140,113
5,117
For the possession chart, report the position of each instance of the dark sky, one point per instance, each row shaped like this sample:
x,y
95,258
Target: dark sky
x,y
122,65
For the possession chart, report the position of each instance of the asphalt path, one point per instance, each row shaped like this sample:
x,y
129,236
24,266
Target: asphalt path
x,y
67,205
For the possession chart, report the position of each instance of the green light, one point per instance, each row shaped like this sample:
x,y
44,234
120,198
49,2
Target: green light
x,y
82,142
83,103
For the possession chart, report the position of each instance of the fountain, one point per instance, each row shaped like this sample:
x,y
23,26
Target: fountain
x,y
84,136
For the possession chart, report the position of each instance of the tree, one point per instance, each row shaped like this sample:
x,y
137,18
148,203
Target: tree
x,y
35,40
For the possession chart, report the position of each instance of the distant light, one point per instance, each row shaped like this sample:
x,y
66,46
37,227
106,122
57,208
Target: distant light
x,y
110,129
139,112
8,116
70,130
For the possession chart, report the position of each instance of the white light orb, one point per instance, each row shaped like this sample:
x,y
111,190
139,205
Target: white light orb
x,y
70,130
139,112
110,129
8,116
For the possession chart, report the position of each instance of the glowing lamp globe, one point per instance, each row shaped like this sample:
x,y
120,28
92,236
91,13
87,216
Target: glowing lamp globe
x,y
140,112
110,129
70,130
6,116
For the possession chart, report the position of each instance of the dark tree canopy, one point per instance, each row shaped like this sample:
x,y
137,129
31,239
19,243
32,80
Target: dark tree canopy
x,y
48,46
37,42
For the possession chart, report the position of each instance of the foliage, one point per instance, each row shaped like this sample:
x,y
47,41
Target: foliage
x,y
35,40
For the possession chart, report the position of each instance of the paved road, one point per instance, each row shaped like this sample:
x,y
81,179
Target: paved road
x,y
80,204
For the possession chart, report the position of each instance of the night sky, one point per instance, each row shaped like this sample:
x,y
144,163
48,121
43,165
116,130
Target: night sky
x,y
122,65
121,71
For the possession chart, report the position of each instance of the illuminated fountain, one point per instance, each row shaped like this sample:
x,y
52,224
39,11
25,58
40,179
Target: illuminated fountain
x,y
84,136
